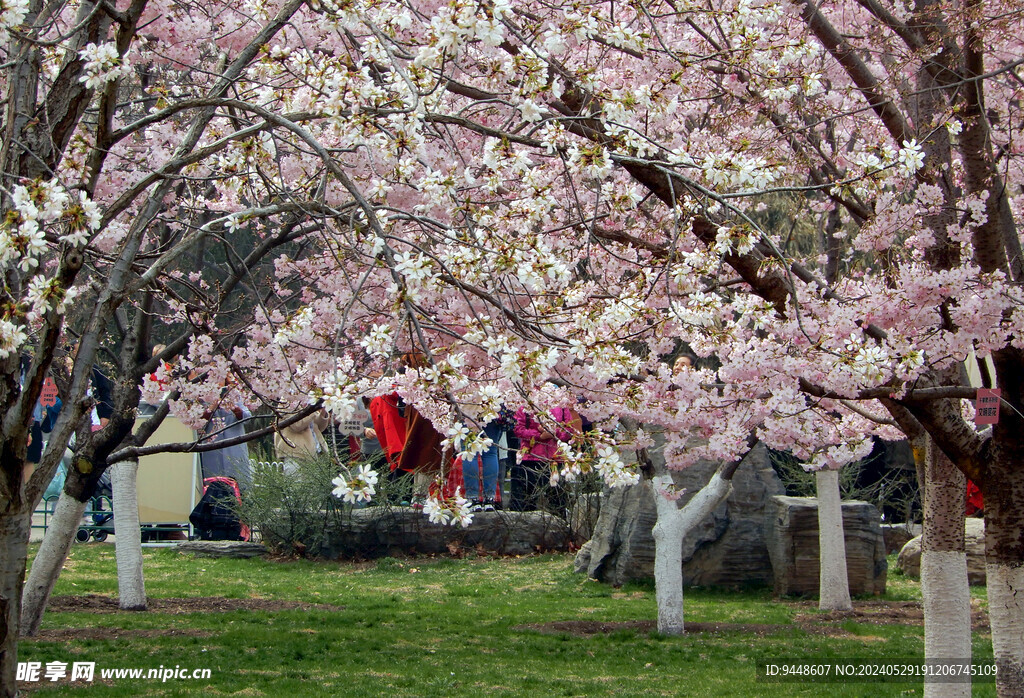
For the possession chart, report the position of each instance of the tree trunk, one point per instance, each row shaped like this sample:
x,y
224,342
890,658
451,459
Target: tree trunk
x,y
14,533
1006,616
1003,492
128,541
944,587
833,583
668,561
49,561
671,528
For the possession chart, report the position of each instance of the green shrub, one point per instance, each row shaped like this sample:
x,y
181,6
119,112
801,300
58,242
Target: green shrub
x,y
292,511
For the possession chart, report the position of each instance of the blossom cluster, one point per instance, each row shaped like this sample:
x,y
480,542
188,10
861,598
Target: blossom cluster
x,y
449,510
103,64
359,487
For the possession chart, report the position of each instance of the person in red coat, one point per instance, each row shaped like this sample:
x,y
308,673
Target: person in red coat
x,y
387,412
423,454
975,502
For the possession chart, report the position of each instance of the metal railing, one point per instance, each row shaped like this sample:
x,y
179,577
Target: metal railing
x,y
98,522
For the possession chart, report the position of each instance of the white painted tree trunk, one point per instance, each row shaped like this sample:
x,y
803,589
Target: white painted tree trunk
x,y
668,570
49,561
944,586
671,528
833,583
14,534
947,609
131,585
1006,616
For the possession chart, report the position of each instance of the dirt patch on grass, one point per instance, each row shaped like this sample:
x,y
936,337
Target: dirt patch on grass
x,y
590,628
874,612
63,635
96,603
885,613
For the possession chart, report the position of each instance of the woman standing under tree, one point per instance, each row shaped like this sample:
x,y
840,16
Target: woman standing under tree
x,y
538,457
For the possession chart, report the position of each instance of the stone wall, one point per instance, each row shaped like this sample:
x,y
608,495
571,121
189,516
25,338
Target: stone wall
x,y
381,531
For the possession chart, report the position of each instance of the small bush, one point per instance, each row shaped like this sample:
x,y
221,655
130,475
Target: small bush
x,y
292,511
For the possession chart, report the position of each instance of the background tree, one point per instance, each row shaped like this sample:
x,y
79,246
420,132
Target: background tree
x,y
99,203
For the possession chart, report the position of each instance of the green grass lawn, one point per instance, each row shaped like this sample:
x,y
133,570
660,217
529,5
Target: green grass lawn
x,y
442,627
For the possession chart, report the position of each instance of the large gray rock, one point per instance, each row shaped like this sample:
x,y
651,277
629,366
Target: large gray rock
x,y
381,531
726,549
909,559
898,535
791,531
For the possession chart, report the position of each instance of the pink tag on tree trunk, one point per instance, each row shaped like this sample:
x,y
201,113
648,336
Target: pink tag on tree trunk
x,y
48,395
986,407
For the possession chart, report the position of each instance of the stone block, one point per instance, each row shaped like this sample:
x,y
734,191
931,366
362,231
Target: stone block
x,y
898,535
221,548
382,531
791,532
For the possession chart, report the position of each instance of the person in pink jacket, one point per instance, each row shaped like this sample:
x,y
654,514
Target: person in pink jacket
x,y
538,455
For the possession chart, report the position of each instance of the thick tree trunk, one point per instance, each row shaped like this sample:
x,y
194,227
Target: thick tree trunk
x,y
944,587
668,562
49,561
1003,492
670,530
128,542
833,584
1006,616
14,533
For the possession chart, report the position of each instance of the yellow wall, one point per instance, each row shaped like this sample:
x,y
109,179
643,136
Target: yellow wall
x,y
166,487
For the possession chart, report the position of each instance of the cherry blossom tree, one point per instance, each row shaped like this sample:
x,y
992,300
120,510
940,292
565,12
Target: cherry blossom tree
x,y
539,194
564,193
105,189
119,449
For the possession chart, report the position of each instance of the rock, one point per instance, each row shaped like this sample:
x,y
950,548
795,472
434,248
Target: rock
x,y
381,531
909,559
791,532
974,541
727,549
622,545
898,535
221,548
